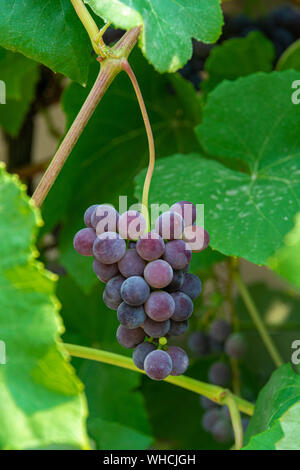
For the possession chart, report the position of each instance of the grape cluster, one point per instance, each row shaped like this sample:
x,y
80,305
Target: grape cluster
x,y
281,26
147,278
219,339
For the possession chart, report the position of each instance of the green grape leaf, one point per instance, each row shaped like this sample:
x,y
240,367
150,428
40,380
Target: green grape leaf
x,y
113,149
14,69
290,59
290,425
48,32
238,57
286,261
168,26
41,399
13,113
117,416
278,396
248,208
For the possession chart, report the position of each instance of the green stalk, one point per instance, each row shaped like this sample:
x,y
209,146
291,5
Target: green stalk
x,y
257,320
235,416
213,392
88,22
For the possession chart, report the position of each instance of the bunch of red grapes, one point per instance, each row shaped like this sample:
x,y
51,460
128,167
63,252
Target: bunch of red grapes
x,y
147,279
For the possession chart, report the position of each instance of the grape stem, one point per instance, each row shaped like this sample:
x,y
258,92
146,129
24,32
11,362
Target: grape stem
x,y
88,22
213,392
245,294
109,69
230,400
126,67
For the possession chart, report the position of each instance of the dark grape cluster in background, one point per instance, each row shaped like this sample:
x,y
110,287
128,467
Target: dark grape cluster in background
x,y
147,278
281,26
220,340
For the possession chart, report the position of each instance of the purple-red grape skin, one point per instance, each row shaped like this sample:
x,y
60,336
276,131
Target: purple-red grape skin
x,y
150,246
131,264
131,317
187,210
177,254
105,272
130,338
131,225
198,343
109,248
191,286
196,237
220,374
88,214
183,306
220,330
135,291
235,346
156,329
158,274
84,240
180,360
158,365
209,418
104,219
112,292
178,328
169,225
176,283
141,352
222,430
160,306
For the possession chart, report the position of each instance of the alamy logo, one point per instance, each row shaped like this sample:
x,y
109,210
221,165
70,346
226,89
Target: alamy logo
x,y
2,353
2,92
296,95
296,354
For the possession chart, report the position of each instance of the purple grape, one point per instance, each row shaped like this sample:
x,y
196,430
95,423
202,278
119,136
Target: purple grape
x,y
220,374
130,338
177,254
236,346
191,285
84,240
104,219
156,329
135,291
88,214
214,346
209,419
131,225
180,360
131,264
169,226
160,306
109,248
198,343
206,403
105,272
141,352
176,283
183,306
131,317
150,246
112,292
220,330
178,328
222,431
187,210
196,237
158,273
158,365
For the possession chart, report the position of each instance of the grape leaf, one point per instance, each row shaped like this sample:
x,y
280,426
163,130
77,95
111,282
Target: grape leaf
x,y
290,59
238,57
117,416
168,26
113,149
41,399
14,69
280,393
48,32
13,113
249,209
286,261
290,425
